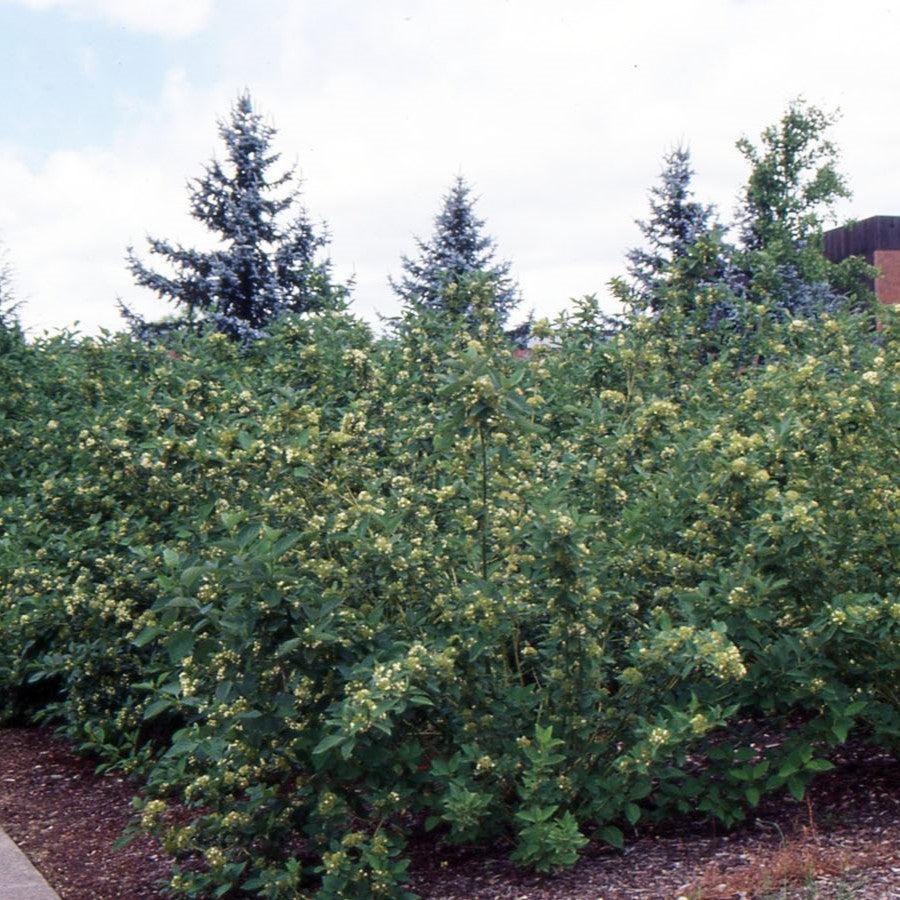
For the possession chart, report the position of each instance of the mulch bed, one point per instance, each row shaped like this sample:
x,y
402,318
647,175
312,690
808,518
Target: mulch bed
x,y
844,844
66,819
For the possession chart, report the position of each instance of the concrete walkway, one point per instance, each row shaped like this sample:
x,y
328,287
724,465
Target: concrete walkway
x,y
19,879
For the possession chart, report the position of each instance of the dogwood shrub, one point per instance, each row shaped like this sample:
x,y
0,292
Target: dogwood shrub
x,y
330,590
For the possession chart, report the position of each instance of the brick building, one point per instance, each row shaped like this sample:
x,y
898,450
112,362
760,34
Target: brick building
x,y
878,240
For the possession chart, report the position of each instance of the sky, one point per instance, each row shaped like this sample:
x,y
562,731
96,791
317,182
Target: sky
x,y
557,113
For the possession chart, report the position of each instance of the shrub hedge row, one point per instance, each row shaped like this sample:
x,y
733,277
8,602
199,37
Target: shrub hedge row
x,y
331,590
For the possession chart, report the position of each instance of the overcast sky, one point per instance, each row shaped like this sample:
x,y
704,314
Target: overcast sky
x,y
557,112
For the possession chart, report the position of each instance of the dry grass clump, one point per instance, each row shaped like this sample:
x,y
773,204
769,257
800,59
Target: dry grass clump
x,y
801,860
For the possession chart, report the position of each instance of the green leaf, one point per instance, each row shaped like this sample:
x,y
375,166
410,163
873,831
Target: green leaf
x,y
156,707
272,597
753,794
283,544
147,635
841,728
440,768
180,645
612,835
247,534
191,576
537,814
632,813
796,787
329,743
288,646
641,789
171,557
124,839
820,765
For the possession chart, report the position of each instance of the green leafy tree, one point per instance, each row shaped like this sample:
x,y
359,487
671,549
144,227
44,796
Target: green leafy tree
x,y
326,591
688,267
790,194
267,262
794,181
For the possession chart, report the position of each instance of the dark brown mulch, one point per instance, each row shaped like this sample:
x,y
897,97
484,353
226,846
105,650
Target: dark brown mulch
x,y
845,843
66,819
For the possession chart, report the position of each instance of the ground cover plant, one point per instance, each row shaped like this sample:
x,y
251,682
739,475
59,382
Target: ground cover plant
x,y
330,590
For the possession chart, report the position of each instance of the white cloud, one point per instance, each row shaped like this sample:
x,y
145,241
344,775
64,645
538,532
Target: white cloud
x,y
171,18
67,221
558,113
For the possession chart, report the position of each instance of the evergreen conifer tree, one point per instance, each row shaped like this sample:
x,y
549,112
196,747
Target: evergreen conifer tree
x,y
457,251
677,225
9,322
267,262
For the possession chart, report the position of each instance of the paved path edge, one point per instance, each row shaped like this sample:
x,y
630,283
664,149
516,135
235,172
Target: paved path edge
x,y
19,879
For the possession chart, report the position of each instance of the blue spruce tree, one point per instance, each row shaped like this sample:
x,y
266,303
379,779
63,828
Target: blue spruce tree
x,y
268,261
680,233
457,252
